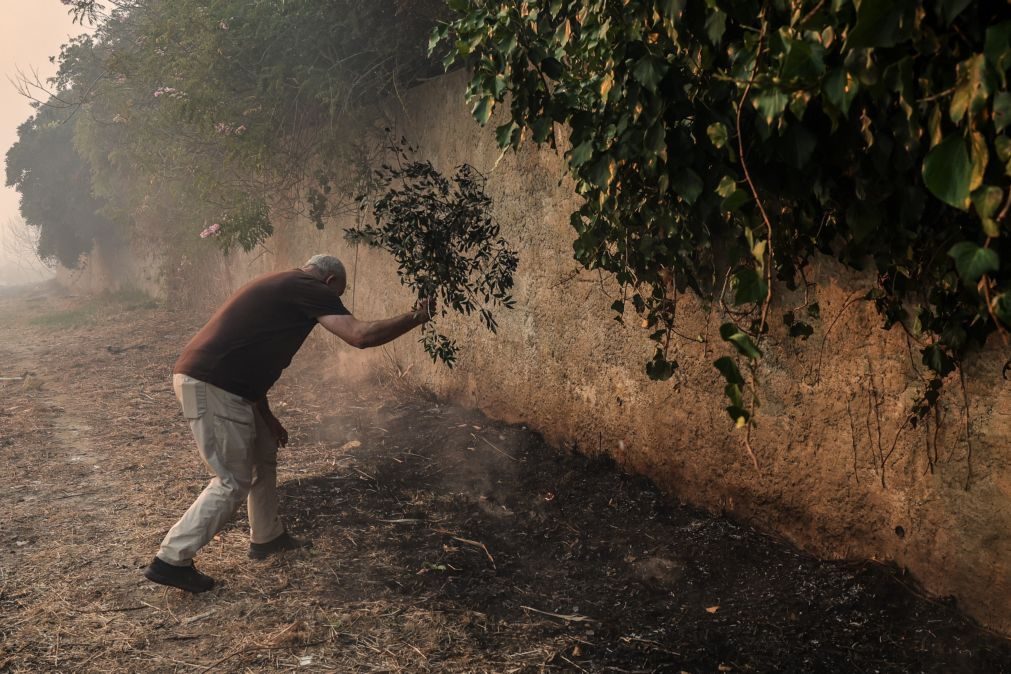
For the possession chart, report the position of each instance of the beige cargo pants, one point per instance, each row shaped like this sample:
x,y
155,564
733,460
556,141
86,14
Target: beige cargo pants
x,y
236,444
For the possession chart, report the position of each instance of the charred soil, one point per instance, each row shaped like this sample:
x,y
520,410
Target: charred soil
x,y
444,541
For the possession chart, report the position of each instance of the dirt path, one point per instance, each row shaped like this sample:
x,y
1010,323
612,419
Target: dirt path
x,y
444,541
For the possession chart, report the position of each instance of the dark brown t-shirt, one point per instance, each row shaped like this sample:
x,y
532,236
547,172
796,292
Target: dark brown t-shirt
x,y
251,339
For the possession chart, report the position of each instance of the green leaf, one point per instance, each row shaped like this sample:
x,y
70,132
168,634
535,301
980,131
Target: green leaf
x,y
649,71
717,133
1003,147
947,172
749,287
733,334
727,186
482,109
552,67
602,171
656,139
972,261
1001,110
580,154
671,9
504,134
542,128
881,23
937,360
997,48
728,368
862,219
1001,306
986,200
971,88
735,394
803,61
770,104
687,184
980,158
840,88
437,36
716,26
952,8
737,199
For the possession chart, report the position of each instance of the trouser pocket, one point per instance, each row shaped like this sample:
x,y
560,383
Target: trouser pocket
x,y
192,395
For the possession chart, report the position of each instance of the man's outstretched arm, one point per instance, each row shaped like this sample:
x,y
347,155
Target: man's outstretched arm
x,y
365,334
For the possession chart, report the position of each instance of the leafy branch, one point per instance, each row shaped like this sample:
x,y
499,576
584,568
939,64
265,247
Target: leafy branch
x,y
444,239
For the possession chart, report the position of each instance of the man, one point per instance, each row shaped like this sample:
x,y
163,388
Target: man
x,y
221,380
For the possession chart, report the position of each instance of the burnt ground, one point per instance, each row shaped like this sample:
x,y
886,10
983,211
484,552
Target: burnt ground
x,y
444,541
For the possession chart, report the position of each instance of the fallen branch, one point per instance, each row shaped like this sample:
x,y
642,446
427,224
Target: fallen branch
x,y
572,618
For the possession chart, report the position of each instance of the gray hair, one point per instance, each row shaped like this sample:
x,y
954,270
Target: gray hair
x,y
328,265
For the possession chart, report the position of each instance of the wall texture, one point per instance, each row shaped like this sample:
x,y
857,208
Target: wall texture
x,y
838,474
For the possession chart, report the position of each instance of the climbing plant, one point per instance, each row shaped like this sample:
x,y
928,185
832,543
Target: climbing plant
x,y
232,105
720,144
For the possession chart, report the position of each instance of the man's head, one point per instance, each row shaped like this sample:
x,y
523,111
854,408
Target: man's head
x,y
329,270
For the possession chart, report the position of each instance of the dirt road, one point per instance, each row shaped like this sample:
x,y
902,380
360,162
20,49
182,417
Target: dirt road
x,y
443,541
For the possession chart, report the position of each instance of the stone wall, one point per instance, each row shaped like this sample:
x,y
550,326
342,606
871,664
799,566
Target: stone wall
x,y
836,474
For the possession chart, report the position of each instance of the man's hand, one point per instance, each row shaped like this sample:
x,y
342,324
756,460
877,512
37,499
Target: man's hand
x,y
279,432
424,309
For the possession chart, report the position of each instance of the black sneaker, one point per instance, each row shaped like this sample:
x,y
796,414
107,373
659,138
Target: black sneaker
x,y
183,577
279,544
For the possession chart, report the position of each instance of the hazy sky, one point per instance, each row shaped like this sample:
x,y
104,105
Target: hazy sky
x,y
30,32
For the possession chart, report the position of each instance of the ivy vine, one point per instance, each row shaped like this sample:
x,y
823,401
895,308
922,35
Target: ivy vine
x,y
719,145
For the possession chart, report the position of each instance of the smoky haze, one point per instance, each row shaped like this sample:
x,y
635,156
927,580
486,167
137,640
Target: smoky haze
x,y
31,31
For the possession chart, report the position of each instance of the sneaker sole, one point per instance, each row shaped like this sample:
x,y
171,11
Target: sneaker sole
x,y
169,582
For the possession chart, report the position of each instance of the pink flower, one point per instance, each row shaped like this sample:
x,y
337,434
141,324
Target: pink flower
x,y
210,231
168,91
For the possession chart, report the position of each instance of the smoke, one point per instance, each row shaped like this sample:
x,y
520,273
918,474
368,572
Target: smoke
x,y
19,261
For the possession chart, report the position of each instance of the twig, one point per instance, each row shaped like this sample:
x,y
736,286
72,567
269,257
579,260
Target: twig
x,y
968,437
821,352
895,441
467,541
853,438
747,177
572,618
238,651
492,445
985,282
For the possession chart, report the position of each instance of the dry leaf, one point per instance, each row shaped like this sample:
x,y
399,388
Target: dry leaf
x,y
713,609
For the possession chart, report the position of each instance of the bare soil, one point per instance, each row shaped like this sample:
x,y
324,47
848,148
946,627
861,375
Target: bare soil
x,y
444,541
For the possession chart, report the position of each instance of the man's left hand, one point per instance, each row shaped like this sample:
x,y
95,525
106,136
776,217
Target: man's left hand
x,y
279,432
